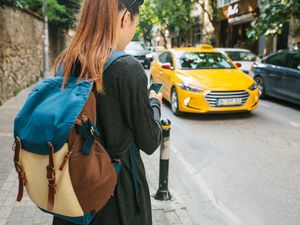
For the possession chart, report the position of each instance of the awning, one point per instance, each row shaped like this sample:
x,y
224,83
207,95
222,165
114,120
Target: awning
x,y
241,19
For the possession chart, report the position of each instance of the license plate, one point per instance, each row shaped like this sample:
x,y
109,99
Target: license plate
x,y
141,60
229,101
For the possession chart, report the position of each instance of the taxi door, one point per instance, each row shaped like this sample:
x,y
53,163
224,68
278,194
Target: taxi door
x,y
163,69
157,69
167,75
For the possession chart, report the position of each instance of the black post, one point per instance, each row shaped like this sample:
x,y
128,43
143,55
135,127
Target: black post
x,y
163,191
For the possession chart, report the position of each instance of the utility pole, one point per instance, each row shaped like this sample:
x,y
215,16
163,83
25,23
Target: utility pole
x,y
46,40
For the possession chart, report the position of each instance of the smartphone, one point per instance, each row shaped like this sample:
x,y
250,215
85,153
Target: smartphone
x,y
156,87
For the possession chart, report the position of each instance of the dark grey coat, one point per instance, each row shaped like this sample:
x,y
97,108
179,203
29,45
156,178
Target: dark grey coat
x,y
125,114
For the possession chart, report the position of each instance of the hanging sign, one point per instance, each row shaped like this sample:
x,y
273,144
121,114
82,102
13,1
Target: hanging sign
x,y
233,10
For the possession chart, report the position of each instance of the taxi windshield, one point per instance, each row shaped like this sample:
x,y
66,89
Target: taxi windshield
x,y
202,60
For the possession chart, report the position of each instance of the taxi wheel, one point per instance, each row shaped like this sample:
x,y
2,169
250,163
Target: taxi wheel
x,y
261,86
174,102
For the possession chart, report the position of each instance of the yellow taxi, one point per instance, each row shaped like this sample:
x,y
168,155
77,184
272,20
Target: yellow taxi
x,y
202,80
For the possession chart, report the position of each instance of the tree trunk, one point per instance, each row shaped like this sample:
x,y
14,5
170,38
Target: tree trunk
x,y
162,33
216,35
191,36
292,32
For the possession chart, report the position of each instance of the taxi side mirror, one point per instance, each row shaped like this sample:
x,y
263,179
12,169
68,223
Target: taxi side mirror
x,y
167,66
238,65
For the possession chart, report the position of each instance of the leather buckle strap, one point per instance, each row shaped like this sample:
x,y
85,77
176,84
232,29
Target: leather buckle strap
x,y
19,169
51,178
67,156
50,173
21,172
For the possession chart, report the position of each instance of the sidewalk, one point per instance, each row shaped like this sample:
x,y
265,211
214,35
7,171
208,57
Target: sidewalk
x,y
26,213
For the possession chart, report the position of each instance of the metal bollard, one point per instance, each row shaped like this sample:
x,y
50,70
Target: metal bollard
x,y
163,191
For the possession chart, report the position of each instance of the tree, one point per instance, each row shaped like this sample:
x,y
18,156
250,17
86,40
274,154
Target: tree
x,y
181,17
15,3
274,14
175,14
210,8
147,20
60,12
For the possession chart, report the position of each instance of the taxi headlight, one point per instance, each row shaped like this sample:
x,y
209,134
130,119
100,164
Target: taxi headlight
x,y
253,86
191,88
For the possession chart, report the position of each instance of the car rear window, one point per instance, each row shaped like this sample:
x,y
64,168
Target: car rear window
x,y
241,56
202,60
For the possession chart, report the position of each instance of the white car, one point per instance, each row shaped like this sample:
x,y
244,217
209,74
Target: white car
x,y
243,58
156,50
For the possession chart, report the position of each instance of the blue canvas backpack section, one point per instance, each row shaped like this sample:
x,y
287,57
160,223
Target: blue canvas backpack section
x,y
49,114
50,111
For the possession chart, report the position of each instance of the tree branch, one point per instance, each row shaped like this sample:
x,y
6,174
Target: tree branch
x,y
202,4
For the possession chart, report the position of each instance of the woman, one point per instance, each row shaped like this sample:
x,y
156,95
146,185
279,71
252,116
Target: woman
x,y
125,111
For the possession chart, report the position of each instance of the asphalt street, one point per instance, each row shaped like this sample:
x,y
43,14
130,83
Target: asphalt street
x,y
238,169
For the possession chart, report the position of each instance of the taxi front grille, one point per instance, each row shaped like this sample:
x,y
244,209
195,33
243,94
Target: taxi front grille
x,y
214,96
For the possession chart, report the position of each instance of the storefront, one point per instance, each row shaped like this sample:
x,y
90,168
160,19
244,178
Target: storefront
x,y
235,19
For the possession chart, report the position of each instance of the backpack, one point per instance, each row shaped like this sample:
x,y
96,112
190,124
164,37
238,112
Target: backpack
x,y
59,157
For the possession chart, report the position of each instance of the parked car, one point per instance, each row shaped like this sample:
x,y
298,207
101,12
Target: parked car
x,y
156,51
278,75
243,58
202,80
140,52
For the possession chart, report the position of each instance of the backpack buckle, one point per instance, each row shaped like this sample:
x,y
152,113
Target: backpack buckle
x,y
50,173
92,130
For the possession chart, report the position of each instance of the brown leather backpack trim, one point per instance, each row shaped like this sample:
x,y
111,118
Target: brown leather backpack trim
x,y
19,169
93,176
51,178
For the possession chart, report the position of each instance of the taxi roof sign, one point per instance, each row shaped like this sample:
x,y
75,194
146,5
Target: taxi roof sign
x,y
206,46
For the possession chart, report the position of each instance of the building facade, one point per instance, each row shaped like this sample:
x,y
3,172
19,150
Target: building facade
x,y
235,18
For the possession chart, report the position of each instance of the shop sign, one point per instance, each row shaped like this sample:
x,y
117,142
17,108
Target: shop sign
x,y
241,19
233,10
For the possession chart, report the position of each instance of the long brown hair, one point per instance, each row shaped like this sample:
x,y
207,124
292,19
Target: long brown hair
x,y
93,43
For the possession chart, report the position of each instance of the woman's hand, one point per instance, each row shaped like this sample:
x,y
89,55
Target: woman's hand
x,y
157,96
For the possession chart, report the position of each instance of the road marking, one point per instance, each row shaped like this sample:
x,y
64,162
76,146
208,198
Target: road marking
x,y
203,186
191,170
294,124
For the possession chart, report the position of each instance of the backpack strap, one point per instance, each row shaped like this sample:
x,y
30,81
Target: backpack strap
x,y
135,177
116,55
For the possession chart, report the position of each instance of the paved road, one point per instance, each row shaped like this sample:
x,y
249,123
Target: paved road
x,y
238,169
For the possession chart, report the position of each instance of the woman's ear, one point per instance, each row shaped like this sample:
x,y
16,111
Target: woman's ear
x,y
126,19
